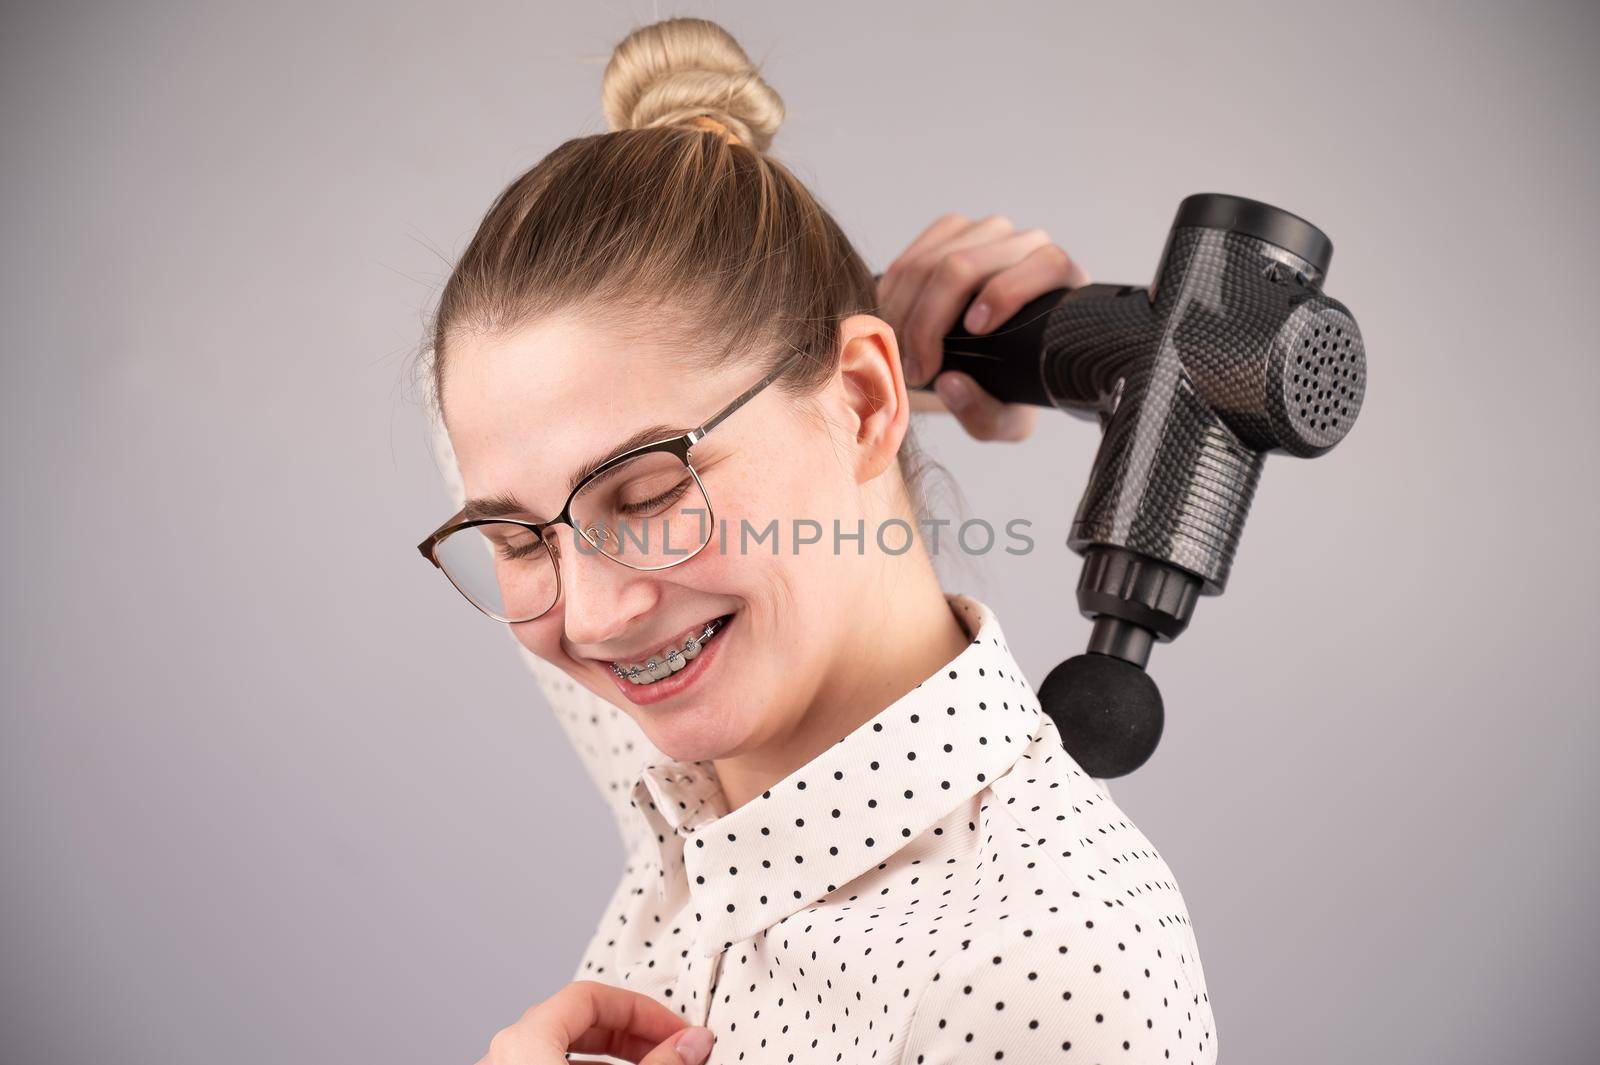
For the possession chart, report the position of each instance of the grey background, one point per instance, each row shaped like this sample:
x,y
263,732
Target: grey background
x,y
270,794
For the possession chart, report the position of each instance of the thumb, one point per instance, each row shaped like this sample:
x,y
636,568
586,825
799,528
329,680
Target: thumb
x,y
980,413
689,1047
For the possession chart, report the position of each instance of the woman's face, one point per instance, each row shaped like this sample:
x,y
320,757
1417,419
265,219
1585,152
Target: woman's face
x,y
528,410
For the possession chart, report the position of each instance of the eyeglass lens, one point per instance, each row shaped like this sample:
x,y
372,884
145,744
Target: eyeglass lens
x,y
649,512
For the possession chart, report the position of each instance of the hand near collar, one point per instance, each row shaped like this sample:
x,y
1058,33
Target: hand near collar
x,y
588,1017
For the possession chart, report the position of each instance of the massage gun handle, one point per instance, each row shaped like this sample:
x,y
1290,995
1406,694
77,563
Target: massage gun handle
x,y
1007,361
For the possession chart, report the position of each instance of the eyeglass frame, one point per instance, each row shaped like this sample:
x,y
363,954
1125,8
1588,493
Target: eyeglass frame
x,y
680,446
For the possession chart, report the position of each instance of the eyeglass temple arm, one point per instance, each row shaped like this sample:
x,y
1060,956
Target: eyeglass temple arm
x,y
696,435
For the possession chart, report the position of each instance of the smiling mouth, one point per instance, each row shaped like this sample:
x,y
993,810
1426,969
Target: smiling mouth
x,y
671,659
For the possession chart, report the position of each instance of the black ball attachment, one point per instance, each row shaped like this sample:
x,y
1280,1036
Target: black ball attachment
x,y
1108,711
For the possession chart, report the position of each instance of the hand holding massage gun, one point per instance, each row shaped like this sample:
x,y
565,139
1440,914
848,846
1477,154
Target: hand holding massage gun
x,y
1233,352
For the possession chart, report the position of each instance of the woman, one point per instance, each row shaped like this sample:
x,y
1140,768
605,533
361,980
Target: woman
x,y
854,835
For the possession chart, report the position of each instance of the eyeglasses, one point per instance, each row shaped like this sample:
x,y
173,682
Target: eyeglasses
x,y
645,508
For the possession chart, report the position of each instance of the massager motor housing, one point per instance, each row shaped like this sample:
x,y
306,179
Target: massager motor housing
x,y
1232,353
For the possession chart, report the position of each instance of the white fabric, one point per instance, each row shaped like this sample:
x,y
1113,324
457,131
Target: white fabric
x,y
944,884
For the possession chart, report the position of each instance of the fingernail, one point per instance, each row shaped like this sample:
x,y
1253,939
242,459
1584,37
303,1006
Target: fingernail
x,y
977,317
954,391
694,1046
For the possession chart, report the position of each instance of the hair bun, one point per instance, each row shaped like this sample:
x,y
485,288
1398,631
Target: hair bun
x,y
666,73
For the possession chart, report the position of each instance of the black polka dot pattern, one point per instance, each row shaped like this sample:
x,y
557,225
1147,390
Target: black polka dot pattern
x,y
944,884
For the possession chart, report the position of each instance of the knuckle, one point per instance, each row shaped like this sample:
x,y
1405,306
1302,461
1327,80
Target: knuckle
x,y
502,1044
1001,292
1006,293
953,218
1061,264
1036,234
1056,254
533,1013
998,221
910,267
959,266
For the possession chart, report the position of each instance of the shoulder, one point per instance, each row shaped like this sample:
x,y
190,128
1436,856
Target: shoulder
x,y
1079,988
1096,949
1080,848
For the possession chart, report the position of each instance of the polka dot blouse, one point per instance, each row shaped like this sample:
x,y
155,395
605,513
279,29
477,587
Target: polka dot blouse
x,y
943,884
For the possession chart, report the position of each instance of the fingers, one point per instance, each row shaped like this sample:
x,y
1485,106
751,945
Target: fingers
x,y
981,414
614,1020
951,264
896,288
903,285
585,1017
948,288
986,417
690,1047
1044,268
892,285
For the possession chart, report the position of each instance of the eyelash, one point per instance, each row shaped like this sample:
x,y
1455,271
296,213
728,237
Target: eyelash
x,y
668,496
516,554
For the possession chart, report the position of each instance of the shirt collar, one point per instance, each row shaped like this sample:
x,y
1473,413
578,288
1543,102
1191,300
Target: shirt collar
x,y
851,807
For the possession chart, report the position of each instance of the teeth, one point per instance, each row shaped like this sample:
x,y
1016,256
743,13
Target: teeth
x,y
669,660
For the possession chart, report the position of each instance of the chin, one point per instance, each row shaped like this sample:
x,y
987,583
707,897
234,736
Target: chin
x,y
718,726
693,733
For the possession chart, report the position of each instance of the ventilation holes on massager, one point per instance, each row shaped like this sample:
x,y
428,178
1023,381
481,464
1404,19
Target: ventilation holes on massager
x,y
1325,347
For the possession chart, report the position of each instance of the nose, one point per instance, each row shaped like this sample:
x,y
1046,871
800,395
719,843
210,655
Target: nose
x,y
600,596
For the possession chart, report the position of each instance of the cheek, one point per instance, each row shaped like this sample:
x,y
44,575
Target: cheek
x,y
791,474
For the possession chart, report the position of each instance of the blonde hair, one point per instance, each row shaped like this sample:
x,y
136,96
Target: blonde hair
x,y
657,228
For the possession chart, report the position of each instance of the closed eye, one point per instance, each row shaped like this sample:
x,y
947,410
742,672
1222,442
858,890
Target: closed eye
x,y
515,552
655,503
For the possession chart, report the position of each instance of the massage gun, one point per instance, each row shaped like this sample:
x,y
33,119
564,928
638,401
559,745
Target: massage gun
x,y
1232,353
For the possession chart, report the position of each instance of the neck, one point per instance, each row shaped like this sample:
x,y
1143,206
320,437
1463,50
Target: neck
x,y
900,640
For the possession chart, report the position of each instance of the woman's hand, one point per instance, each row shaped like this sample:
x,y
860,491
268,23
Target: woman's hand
x,y
588,1017
924,290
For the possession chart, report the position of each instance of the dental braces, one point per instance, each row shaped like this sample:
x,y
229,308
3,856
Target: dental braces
x,y
655,662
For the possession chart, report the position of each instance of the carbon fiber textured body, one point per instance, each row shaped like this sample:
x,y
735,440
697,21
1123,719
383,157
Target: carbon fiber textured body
x,y
1235,352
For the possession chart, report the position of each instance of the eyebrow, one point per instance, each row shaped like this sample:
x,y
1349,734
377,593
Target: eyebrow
x,y
506,503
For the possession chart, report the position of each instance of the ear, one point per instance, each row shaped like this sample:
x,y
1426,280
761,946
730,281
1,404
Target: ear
x,y
877,409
